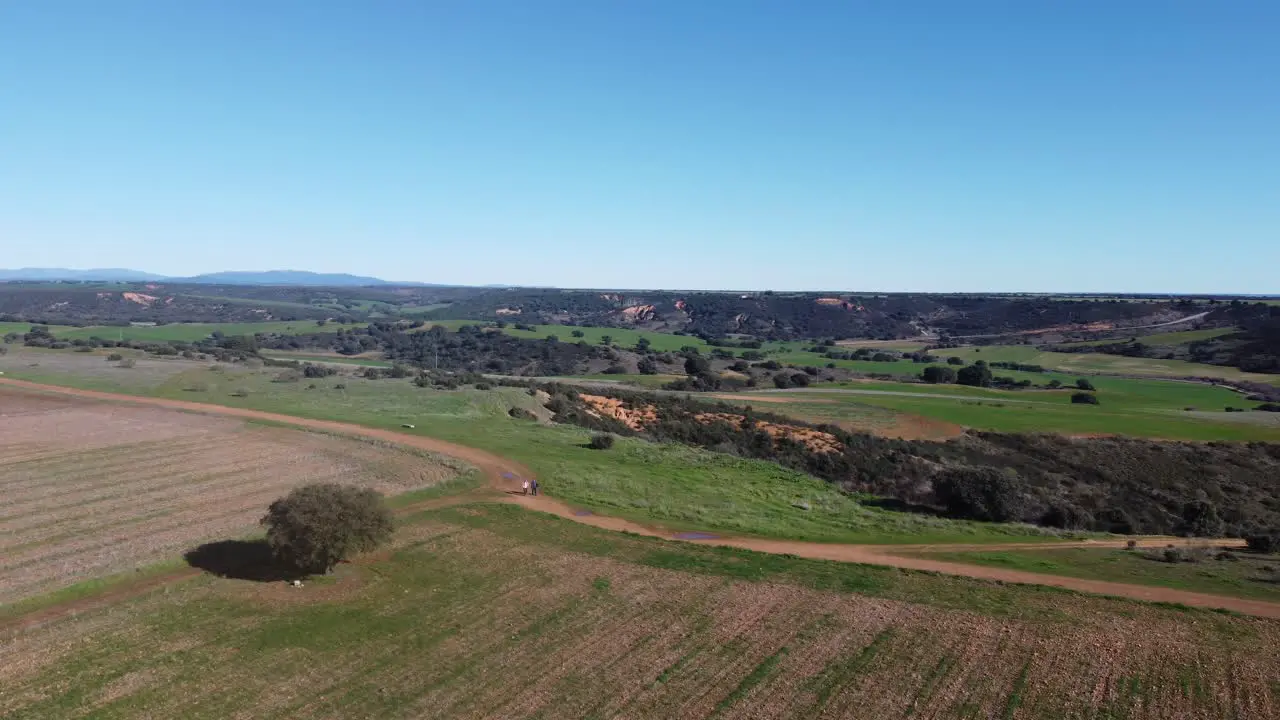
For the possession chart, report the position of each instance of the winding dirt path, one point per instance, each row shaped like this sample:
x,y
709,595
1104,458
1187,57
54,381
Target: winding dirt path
x,y
505,477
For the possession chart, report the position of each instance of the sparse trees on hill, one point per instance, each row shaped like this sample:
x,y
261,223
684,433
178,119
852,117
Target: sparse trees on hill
x,y
315,527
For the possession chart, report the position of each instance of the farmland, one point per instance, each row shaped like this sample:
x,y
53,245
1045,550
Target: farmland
x,y
1169,338
93,489
669,484
1140,408
471,597
491,611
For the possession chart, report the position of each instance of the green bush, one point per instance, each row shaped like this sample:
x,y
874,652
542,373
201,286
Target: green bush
x,y
980,493
601,441
1263,542
315,527
937,374
115,357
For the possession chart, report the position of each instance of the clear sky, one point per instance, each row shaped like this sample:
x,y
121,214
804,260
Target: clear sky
x,y
1090,145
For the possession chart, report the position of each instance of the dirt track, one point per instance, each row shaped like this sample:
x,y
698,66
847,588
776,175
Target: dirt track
x,y
505,476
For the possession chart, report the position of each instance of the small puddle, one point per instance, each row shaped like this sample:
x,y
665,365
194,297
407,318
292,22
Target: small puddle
x,y
696,536
582,513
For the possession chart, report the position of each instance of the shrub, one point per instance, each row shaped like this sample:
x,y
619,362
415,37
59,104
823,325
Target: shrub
x,y
953,360
975,375
315,527
1263,542
800,380
696,365
980,493
1269,407
1200,519
781,381
311,370
127,363
601,441
616,369
115,357
937,374
1084,384
1084,398
521,414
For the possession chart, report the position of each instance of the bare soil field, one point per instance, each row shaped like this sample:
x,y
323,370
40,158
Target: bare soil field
x,y
91,489
482,614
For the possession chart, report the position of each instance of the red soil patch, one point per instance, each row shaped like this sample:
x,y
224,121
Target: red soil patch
x,y
815,440
634,418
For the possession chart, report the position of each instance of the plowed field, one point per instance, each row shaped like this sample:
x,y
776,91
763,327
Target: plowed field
x,y
492,612
88,489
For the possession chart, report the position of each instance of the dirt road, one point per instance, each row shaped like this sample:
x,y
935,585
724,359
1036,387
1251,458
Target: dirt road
x,y
505,476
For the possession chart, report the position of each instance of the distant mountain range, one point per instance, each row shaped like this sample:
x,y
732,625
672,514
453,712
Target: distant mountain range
x,y
269,277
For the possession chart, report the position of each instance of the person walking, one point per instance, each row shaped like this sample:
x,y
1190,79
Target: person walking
x,y
534,485
525,487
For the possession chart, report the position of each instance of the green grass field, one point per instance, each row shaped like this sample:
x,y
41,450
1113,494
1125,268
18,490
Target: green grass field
x,y
622,337
492,611
1243,574
1139,408
1169,338
317,357
191,332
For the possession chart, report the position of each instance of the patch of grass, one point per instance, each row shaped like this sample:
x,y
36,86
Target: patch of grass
x,y
1183,337
1243,576
338,359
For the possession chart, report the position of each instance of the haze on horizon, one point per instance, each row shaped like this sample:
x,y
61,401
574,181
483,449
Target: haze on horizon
x,y
932,147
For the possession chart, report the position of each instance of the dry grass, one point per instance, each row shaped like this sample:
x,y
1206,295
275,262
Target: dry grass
x,y
92,489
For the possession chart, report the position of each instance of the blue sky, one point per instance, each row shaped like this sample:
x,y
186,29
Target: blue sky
x,y
930,146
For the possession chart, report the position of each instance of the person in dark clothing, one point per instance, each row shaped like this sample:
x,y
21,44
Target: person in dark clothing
x,y
534,486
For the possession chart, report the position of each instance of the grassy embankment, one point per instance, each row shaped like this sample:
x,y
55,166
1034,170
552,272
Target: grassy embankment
x,y
1238,573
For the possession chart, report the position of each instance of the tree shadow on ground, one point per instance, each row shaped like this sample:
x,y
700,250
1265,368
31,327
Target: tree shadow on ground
x,y
240,560
897,505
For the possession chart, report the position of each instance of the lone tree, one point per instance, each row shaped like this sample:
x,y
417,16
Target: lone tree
x,y
317,526
1084,384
